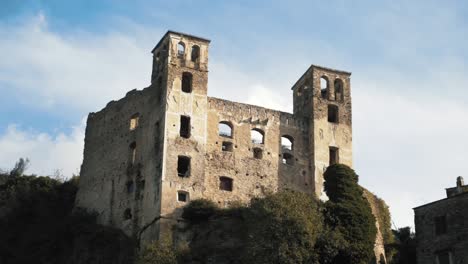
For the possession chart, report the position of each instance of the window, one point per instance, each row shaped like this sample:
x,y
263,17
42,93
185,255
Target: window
x,y
132,152
184,126
195,53
444,257
257,136
288,159
182,196
324,87
134,121
127,214
332,113
225,184
180,49
186,82
334,156
339,90
227,146
440,225
183,166
225,129
258,153
287,142
130,187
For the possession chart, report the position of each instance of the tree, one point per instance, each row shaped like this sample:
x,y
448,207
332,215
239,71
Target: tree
x,y
158,253
349,214
405,246
20,167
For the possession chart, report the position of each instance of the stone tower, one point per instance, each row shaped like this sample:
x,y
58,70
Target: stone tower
x,y
323,96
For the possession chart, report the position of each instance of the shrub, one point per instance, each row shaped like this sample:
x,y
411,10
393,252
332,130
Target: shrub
x,y
158,253
199,210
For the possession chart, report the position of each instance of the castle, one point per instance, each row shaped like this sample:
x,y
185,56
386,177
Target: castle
x,y
156,149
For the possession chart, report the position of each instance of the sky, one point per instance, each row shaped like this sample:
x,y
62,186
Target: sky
x,y
60,60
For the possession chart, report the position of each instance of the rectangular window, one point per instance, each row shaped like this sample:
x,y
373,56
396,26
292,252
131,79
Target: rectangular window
x,y
332,113
227,146
440,225
182,196
444,257
183,166
225,184
334,156
185,126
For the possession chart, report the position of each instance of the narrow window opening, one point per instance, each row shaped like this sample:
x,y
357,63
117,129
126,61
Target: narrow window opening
x,y
195,53
225,129
180,49
324,87
186,82
334,156
444,257
225,184
182,196
227,146
130,187
134,121
288,159
440,225
184,126
332,113
257,136
258,153
339,90
132,152
287,142
127,214
183,166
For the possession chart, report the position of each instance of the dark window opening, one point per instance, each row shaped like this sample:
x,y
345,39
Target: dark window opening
x,y
185,126
257,136
288,159
332,113
183,166
258,153
195,53
334,156
440,225
134,119
182,196
130,187
324,87
132,152
180,49
127,214
227,146
225,129
287,142
186,82
338,90
225,184
444,257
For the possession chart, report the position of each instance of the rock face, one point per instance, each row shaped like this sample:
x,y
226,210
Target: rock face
x,y
149,153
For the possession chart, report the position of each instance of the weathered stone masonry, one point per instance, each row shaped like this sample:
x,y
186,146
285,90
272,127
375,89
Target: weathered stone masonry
x,y
152,151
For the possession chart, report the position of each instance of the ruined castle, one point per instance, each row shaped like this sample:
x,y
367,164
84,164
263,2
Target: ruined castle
x,y
148,154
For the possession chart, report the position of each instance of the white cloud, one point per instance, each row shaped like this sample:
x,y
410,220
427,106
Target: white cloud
x,y
47,153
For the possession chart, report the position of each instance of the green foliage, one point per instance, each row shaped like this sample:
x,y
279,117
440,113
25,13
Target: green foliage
x,y
348,213
37,226
283,228
199,210
405,246
158,253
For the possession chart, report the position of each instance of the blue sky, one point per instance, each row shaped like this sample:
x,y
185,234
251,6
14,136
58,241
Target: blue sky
x,y
63,59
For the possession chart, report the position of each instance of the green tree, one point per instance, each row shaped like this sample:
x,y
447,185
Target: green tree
x,y
405,246
283,228
20,167
349,214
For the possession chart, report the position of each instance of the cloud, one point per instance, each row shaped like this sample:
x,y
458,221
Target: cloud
x,y
63,152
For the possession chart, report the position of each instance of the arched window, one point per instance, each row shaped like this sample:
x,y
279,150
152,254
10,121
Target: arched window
x,y
257,136
288,159
225,183
134,121
186,82
225,129
258,153
180,49
339,90
324,87
127,214
195,53
287,142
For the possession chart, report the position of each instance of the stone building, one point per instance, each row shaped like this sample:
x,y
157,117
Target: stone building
x,y
149,153
442,228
